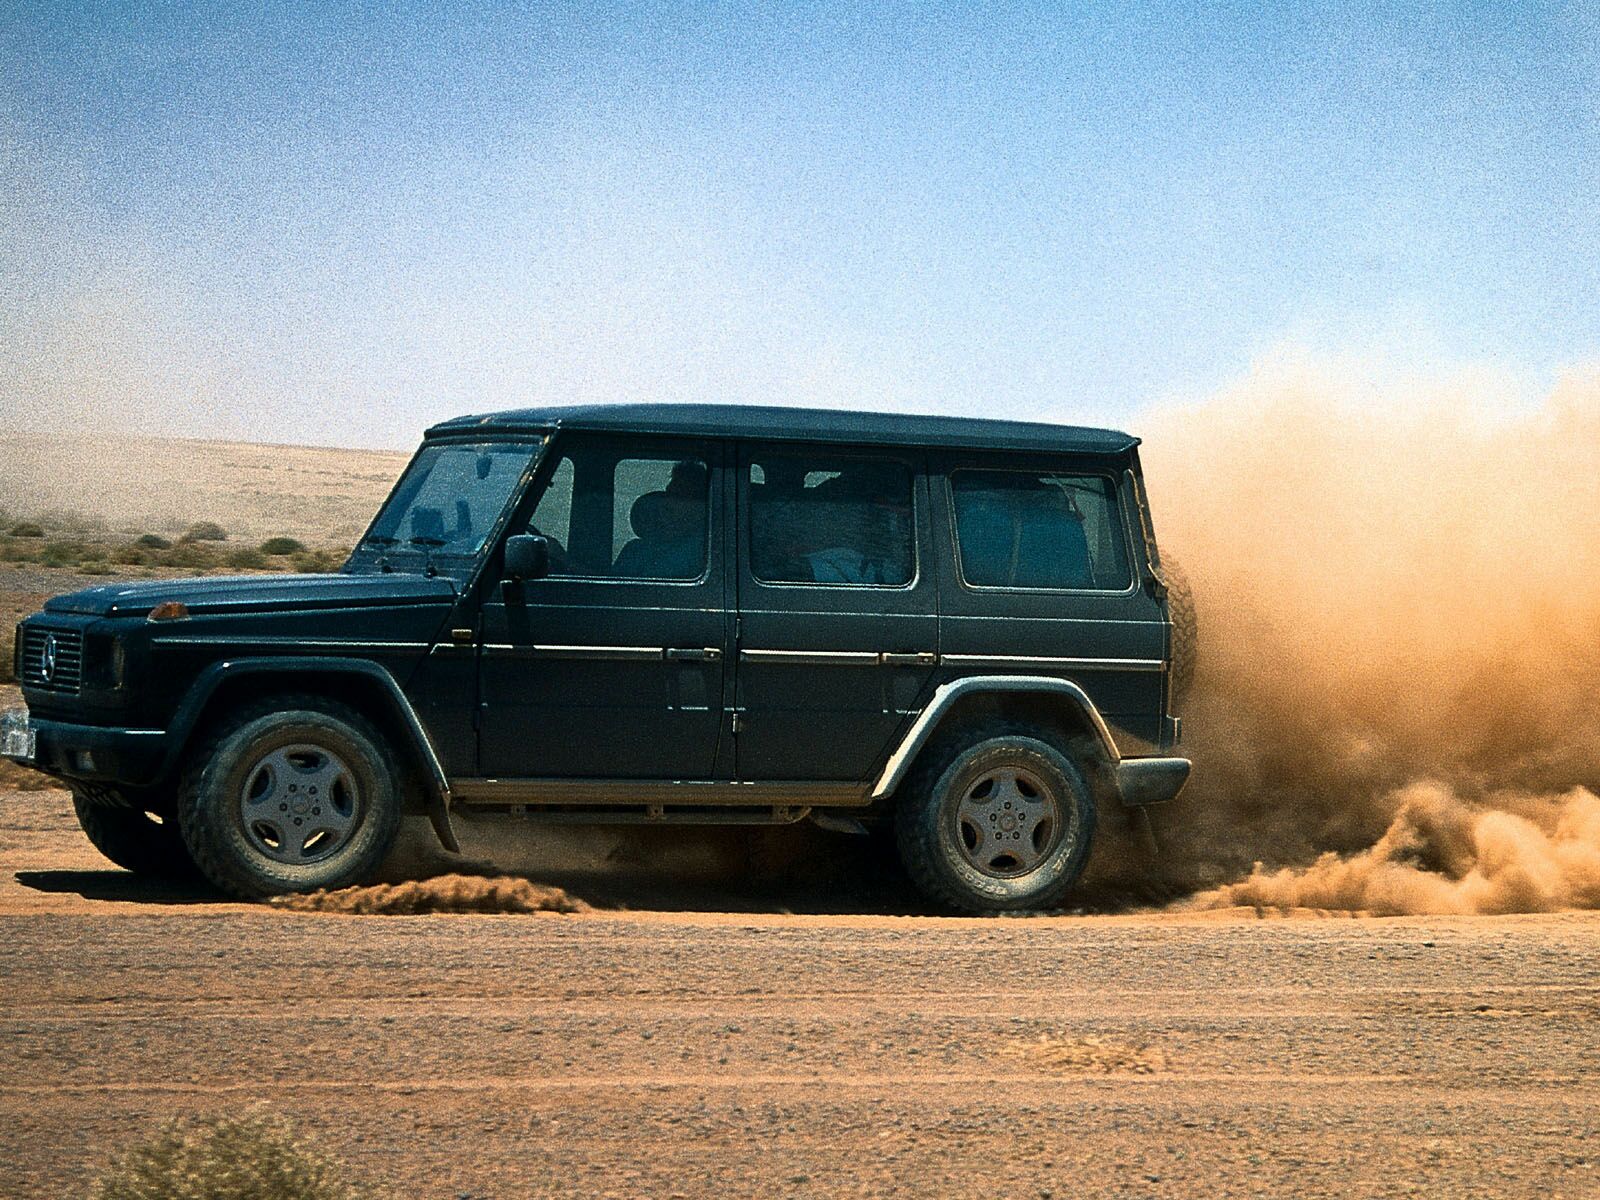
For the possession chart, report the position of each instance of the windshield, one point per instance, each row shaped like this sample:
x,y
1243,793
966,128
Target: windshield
x,y
449,499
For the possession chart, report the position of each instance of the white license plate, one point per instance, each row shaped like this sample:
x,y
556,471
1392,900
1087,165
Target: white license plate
x,y
17,736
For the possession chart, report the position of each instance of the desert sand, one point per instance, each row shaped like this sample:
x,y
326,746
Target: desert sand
x,y
756,1052
1391,717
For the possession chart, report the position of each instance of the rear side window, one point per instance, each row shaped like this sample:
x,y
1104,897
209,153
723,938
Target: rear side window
x,y
820,519
1024,529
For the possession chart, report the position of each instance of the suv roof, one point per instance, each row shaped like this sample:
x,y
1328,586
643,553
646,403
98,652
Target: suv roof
x,y
798,424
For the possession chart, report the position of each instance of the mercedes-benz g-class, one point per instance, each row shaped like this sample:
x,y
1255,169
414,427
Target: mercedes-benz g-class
x,y
649,613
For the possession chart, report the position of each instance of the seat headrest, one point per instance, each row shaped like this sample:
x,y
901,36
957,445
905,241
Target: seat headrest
x,y
648,516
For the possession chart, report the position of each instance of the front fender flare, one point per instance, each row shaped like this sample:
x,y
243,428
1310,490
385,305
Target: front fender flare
x,y
436,787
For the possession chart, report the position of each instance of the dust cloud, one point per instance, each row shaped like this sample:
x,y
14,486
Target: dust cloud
x,y
440,894
1398,703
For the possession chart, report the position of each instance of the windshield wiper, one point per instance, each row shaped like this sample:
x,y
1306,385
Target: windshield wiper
x,y
429,545
383,542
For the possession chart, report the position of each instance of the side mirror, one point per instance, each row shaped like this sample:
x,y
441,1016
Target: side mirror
x,y
527,556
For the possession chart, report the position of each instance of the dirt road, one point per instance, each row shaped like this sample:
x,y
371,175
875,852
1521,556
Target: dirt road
x,y
754,1053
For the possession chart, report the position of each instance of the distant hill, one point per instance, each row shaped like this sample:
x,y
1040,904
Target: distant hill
x,y
163,485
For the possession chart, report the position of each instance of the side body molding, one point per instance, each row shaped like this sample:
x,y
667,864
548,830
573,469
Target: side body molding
x,y
1139,781
436,790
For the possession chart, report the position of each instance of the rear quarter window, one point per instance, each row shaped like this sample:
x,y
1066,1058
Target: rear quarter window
x,y
1039,529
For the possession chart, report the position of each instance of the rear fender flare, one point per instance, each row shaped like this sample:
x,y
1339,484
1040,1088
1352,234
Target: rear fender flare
x,y
946,697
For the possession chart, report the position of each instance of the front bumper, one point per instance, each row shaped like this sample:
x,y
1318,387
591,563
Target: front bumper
x,y
107,754
1143,781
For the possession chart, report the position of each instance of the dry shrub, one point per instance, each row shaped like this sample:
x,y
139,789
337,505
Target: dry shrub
x,y
255,1157
246,559
65,552
1090,1055
131,555
189,555
204,531
1399,588
441,894
318,560
282,545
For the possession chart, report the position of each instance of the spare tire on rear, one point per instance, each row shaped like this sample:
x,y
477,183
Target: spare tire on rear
x,y
1185,630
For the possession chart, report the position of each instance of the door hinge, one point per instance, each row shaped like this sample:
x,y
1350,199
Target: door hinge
x,y
738,722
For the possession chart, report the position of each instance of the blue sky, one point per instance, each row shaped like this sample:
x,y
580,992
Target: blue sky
x,y
333,224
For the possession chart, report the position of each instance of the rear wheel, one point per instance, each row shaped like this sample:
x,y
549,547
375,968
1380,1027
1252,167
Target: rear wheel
x,y
1004,825
141,840
291,796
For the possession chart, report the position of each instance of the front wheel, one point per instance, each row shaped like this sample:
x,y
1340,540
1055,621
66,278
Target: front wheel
x,y
290,796
1004,826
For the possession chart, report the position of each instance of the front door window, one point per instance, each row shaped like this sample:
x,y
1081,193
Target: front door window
x,y
619,516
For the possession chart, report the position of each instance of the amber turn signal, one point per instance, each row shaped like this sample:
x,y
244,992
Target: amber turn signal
x,y
169,610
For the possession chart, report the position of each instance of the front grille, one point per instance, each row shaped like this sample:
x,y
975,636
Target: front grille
x,y
52,659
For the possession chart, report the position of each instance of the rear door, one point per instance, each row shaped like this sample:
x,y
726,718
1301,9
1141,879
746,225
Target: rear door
x,y
612,666
837,621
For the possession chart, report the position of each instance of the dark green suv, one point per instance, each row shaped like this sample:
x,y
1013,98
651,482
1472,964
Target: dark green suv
x,y
654,614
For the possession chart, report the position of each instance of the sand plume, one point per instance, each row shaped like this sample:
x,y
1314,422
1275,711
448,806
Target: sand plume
x,y
441,894
1441,855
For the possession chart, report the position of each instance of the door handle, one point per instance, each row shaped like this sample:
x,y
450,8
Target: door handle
x,y
912,658
692,654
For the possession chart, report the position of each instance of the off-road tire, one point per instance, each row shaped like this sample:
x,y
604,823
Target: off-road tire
x,y
1185,630
122,830
209,796
927,828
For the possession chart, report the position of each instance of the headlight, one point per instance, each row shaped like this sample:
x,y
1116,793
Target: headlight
x,y
105,661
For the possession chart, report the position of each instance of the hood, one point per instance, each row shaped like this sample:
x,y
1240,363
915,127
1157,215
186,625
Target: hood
x,y
255,593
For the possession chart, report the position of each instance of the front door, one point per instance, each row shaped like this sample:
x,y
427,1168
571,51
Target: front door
x,y
611,667
837,618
